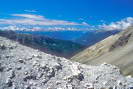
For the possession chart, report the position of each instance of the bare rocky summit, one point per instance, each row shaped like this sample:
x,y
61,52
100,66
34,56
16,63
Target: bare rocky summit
x,y
22,67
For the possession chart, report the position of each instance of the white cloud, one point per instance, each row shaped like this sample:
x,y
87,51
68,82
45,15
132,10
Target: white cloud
x,y
84,23
30,16
120,25
31,19
62,28
30,11
14,28
36,28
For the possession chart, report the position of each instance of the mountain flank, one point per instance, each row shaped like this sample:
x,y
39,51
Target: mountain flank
x,y
92,37
116,49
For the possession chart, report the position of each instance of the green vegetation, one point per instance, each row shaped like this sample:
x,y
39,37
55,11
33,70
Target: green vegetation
x,y
53,46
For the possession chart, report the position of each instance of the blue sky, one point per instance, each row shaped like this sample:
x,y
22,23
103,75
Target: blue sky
x,y
92,12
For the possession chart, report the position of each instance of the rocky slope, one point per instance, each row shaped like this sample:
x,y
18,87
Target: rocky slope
x,y
22,67
116,49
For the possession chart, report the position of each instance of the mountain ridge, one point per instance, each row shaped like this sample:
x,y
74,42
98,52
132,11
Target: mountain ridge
x,y
92,37
116,49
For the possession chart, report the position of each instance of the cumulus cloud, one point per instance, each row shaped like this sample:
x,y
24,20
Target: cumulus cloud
x,y
32,19
14,28
120,25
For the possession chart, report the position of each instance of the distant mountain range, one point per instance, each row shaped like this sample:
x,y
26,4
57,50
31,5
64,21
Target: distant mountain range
x,y
86,38
53,46
62,35
92,37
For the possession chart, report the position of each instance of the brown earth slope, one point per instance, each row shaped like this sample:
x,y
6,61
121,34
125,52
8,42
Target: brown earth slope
x,y
116,49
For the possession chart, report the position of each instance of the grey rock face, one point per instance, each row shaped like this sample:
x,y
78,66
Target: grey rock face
x,y
25,68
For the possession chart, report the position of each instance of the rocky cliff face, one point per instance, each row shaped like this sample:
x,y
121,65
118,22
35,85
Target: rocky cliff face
x,y
24,68
116,49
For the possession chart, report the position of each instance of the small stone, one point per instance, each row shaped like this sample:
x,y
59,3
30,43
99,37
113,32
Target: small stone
x,y
7,56
39,75
75,69
58,82
29,77
34,55
35,63
44,81
1,68
30,58
8,69
57,66
18,68
51,73
12,74
80,77
89,86
26,73
27,87
119,83
3,47
70,86
105,82
14,87
11,47
32,83
21,61
9,82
